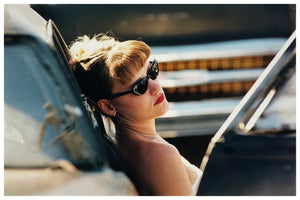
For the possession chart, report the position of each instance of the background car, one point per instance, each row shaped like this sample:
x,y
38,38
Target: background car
x,y
209,55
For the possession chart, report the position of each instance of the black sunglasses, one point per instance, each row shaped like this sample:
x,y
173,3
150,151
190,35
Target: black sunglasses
x,y
141,86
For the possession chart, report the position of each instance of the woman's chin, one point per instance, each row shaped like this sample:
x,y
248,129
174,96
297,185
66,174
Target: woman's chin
x,y
164,107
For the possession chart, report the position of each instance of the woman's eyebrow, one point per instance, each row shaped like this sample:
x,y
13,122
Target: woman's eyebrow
x,y
135,82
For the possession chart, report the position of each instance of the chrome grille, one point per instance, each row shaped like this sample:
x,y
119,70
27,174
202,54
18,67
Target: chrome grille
x,y
215,89
241,62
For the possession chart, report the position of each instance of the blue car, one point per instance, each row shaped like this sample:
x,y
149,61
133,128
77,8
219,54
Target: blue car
x,y
51,146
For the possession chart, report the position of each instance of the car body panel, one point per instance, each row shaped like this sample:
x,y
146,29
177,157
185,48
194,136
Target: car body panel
x,y
58,182
251,165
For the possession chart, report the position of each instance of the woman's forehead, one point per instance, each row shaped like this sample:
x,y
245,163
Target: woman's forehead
x,y
141,73
137,75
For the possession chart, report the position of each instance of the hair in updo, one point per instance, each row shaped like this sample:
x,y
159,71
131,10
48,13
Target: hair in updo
x,y
100,60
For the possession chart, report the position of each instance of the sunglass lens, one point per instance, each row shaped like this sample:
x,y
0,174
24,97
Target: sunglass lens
x,y
154,71
141,87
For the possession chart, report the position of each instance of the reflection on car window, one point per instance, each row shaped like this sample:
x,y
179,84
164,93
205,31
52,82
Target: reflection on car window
x,y
274,113
281,113
27,90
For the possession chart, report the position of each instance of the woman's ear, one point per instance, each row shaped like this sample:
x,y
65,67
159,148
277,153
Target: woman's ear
x,y
106,106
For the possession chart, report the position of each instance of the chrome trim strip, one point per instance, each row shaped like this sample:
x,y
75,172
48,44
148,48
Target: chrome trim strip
x,y
218,49
199,77
203,107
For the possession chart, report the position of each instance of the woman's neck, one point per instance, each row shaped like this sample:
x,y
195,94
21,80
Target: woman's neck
x,y
146,127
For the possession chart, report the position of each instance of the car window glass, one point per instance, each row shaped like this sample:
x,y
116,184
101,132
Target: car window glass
x,y
281,113
27,93
274,113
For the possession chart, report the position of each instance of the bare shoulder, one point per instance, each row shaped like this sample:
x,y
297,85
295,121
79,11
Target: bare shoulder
x,y
157,167
165,171
154,149
162,152
153,156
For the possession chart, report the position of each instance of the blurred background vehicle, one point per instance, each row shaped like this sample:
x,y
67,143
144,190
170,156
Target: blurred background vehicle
x,y
210,55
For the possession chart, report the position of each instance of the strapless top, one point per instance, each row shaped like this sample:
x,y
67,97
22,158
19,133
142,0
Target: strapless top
x,y
197,181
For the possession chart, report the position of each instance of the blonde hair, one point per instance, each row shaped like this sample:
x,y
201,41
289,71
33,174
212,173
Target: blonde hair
x,y
99,60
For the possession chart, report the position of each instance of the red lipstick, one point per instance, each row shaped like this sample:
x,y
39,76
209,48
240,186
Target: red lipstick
x,y
160,99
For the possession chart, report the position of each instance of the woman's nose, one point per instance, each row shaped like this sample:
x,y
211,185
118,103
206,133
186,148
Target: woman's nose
x,y
154,86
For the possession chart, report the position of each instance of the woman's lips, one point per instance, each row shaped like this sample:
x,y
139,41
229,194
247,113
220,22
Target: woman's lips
x,y
160,99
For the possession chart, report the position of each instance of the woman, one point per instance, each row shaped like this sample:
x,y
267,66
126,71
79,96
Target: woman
x,y
123,81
